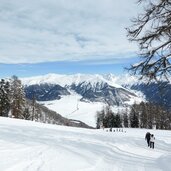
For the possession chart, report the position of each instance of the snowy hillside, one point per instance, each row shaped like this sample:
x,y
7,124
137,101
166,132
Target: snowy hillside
x,y
30,146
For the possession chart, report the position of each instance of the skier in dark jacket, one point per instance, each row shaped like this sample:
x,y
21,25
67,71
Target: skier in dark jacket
x,y
147,137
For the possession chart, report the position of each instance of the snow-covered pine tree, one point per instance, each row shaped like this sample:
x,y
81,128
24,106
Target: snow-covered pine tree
x,y
17,98
4,98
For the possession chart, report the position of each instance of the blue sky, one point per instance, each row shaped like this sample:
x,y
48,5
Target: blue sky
x,y
25,70
65,36
65,67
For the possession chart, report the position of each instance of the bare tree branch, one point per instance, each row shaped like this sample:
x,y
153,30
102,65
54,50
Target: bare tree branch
x,y
152,31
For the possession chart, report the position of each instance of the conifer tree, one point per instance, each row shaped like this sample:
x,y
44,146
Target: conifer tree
x,y
134,118
4,98
125,120
17,97
118,121
143,115
99,118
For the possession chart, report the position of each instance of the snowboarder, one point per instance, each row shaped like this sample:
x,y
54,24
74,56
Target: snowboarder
x,y
147,137
152,139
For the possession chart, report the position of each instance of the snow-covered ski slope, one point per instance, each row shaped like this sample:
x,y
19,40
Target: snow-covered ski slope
x,y
30,146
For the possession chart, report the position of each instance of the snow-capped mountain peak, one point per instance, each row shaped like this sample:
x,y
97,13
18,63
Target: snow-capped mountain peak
x,y
94,88
65,80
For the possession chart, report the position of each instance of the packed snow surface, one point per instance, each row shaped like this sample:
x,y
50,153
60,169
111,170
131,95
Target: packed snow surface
x,y
30,146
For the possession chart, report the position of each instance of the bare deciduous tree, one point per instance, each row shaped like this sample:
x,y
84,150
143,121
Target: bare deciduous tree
x,y
152,31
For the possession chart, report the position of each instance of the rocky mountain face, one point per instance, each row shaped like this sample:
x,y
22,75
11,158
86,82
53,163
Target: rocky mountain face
x,y
102,92
45,92
158,93
93,90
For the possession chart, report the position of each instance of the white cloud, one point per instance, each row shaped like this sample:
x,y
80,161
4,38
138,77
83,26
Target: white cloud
x,y
54,30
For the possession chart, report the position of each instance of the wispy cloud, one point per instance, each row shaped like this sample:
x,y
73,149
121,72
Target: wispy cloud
x,y
59,30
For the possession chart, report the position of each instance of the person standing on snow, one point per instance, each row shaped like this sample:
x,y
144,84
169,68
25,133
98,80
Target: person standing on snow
x,y
147,137
152,139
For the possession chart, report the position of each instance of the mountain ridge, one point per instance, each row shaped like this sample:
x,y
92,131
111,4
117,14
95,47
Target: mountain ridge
x,y
94,88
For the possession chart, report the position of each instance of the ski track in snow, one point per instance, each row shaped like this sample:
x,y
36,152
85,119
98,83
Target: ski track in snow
x,y
30,146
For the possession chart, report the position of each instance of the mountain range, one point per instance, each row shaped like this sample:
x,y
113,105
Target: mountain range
x,y
92,88
80,96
